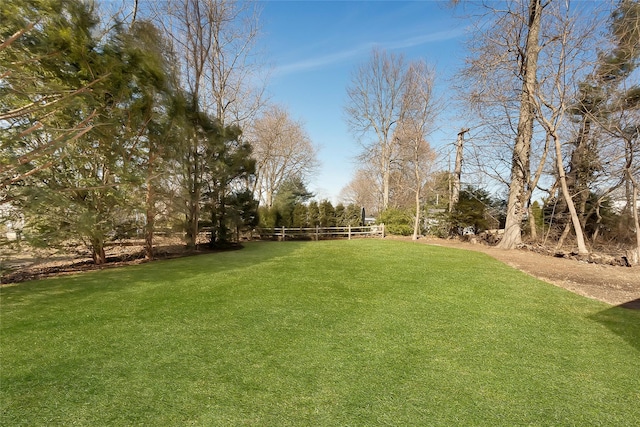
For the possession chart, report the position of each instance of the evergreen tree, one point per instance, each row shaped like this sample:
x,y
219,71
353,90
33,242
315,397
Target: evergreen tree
x,y
47,79
292,192
397,221
327,214
353,215
84,188
228,160
473,211
314,213
339,214
242,212
154,112
300,218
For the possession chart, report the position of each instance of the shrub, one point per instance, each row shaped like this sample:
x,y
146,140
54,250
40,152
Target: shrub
x,y
397,221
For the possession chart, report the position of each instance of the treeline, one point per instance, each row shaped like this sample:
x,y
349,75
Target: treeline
x,y
312,214
557,120
109,128
294,206
550,107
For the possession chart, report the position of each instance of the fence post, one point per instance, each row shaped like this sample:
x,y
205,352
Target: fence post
x,y
349,231
317,231
383,230
283,235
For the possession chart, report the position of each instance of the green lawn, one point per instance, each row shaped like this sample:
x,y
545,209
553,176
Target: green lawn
x,y
331,333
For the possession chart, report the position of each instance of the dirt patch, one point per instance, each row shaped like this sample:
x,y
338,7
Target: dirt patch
x,y
31,265
614,285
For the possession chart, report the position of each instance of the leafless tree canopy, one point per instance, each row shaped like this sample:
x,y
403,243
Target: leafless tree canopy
x,y
374,110
282,150
216,43
391,110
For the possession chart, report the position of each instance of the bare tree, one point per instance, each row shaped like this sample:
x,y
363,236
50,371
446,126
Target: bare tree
x,y
282,150
234,64
188,25
608,103
498,83
565,63
215,40
522,71
374,110
520,169
363,190
417,118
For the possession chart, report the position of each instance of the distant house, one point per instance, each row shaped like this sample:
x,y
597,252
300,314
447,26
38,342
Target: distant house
x,y
12,222
619,205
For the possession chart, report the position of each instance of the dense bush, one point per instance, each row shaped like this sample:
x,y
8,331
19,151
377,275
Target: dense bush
x,y
397,221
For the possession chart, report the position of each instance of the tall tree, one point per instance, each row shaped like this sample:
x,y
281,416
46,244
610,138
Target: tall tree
x,y
520,169
154,111
88,192
418,116
374,109
188,24
213,41
619,114
234,68
228,159
45,75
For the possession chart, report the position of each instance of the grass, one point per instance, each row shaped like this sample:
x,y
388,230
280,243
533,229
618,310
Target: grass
x,y
334,333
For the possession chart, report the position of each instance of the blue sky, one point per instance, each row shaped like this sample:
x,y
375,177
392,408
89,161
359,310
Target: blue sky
x,y
314,48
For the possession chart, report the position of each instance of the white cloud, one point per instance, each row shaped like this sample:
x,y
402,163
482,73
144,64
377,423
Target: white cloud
x,y
322,61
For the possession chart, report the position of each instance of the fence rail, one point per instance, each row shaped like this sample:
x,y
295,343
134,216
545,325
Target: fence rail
x,y
284,233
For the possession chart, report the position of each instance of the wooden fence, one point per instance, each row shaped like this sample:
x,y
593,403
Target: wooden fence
x,y
317,233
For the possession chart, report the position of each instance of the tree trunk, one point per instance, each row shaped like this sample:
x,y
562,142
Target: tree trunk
x,y
516,203
219,231
532,224
149,226
416,223
580,166
575,220
386,177
563,235
97,252
457,171
634,210
596,232
636,221
193,208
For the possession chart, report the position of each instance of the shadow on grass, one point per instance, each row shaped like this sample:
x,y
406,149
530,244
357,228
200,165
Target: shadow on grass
x,y
623,320
113,279
633,304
